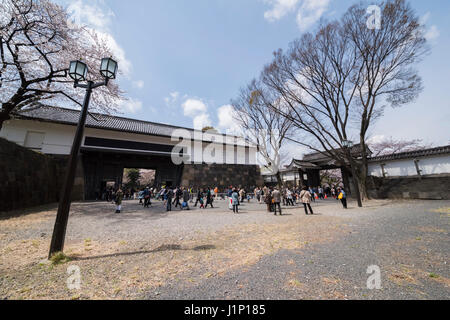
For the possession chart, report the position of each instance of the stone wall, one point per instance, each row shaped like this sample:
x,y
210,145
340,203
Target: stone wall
x,y
427,187
29,178
221,176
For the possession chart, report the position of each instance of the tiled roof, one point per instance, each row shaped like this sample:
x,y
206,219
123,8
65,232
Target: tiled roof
x,y
413,154
97,121
317,156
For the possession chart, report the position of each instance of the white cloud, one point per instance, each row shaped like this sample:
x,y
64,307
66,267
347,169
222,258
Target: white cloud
x,y
138,84
226,121
432,33
192,107
172,99
198,111
90,14
95,15
119,53
130,106
310,12
201,121
279,9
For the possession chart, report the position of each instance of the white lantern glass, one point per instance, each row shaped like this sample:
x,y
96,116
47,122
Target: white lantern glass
x,y
108,68
78,70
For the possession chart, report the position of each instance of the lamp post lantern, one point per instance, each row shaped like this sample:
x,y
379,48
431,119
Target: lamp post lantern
x,y
78,72
348,145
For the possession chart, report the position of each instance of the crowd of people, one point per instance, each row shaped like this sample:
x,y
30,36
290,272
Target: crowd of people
x,y
274,198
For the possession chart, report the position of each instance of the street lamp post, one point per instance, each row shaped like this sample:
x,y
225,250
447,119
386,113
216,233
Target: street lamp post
x,y
78,72
347,146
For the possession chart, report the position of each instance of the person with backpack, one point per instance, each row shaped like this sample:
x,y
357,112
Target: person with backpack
x,y
199,197
343,197
276,195
186,198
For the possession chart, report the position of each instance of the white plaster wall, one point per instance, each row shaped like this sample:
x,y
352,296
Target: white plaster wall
x,y
58,140
404,168
436,165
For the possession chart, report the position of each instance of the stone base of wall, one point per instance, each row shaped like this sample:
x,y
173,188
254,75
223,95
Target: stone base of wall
x,y
221,176
29,178
426,187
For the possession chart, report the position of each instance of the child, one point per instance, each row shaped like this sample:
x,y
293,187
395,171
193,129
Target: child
x,y
202,204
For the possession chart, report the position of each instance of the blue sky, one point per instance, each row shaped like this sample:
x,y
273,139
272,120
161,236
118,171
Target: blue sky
x,y
183,61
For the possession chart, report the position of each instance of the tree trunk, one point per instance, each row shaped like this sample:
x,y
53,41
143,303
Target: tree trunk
x,y
280,182
363,174
4,116
363,170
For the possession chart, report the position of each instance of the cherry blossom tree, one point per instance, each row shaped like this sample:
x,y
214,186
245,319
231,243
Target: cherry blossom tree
x,y
37,43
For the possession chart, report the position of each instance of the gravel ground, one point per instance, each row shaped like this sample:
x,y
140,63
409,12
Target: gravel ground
x,y
409,241
215,254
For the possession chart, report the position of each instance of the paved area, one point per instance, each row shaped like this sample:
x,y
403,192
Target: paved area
x,y
409,242
215,254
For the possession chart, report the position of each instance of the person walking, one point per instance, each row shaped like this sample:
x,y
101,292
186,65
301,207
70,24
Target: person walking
x,y
235,201
186,198
178,195
343,197
169,196
209,199
216,193
320,191
146,197
199,197
313,196
242,195
305,197
289,198
268,201
119,198
276,195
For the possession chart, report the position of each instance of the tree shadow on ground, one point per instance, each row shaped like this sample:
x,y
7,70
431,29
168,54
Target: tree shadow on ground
x,y
25,212
162,248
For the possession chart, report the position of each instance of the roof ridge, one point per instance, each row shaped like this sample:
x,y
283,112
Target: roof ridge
x,y
413,152
112,116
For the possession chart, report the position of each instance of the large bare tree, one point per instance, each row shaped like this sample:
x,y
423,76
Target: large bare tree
x,y
253,111
338,80
37,42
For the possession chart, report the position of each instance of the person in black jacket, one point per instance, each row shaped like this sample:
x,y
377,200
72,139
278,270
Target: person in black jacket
x,y
209,199
199,196
178,195
169,196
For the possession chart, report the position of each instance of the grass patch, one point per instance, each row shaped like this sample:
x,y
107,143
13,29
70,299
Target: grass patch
x,y
59,258
295,283
433,275
442,210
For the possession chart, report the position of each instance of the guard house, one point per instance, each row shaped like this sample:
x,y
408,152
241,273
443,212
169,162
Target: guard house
x,y
420,174
306,172
112,143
